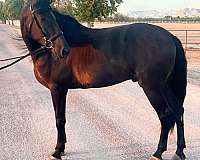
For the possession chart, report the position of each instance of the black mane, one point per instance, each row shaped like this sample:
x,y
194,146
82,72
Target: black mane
x,y
75,33
67,19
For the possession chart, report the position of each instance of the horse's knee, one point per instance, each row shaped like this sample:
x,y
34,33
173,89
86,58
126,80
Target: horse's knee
x,y
60,122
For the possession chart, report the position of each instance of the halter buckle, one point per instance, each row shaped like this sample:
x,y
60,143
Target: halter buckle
x,y
48,43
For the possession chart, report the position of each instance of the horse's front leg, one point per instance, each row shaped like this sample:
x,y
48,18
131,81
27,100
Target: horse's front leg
x,y
59,103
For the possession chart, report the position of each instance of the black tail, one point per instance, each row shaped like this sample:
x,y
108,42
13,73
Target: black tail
x,y
179,80
179,77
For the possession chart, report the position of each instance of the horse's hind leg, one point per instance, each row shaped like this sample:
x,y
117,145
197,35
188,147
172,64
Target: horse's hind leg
x,y
158,101
180,137
178,109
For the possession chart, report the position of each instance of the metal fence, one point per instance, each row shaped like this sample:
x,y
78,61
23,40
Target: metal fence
x,y
189,38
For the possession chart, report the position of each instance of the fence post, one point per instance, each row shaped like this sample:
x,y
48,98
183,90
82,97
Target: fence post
x,y
186,40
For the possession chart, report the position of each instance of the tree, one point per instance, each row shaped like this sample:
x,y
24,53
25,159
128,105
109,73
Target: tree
x,y
12,9
2,15
64,7
3,12
89,10
16,7
120,18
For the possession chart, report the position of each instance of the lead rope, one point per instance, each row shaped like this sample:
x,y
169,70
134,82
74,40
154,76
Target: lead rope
x,y
19,58
8,59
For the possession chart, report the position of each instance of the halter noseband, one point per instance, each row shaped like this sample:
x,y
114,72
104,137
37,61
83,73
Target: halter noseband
x,y
48,44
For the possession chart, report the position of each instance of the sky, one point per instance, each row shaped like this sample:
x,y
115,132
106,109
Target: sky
x,y
137,5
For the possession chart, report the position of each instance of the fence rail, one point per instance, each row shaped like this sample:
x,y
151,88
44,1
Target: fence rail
x,y
189,38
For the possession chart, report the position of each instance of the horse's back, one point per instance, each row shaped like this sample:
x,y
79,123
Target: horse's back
x,y
145,51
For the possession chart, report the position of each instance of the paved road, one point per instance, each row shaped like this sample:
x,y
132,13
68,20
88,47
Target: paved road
x,y
114,123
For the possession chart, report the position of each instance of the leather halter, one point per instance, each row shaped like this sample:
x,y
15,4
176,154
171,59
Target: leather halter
x,y
48,44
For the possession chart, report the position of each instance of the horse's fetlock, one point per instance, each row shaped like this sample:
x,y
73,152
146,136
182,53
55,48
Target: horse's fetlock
x,y
162,149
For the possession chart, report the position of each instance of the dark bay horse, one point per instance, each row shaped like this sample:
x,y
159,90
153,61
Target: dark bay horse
x,y
144,53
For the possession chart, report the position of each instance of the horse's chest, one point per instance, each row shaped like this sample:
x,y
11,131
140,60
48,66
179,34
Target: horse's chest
x,y
41,71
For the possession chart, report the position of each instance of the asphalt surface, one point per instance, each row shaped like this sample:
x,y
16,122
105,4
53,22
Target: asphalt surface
x,y
113,123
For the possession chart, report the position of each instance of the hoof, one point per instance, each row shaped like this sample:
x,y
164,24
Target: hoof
x,y
154,158
56,156
176,157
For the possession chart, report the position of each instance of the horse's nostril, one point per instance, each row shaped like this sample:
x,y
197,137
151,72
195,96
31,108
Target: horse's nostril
x,y
65,52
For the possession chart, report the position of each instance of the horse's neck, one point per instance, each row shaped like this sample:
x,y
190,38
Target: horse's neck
x,y
75,33
82,35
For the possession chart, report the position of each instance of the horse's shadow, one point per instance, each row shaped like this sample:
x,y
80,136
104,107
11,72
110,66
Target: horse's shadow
x,y
130,152
115,153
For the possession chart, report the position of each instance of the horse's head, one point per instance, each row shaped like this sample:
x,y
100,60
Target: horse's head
x,y
41,27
